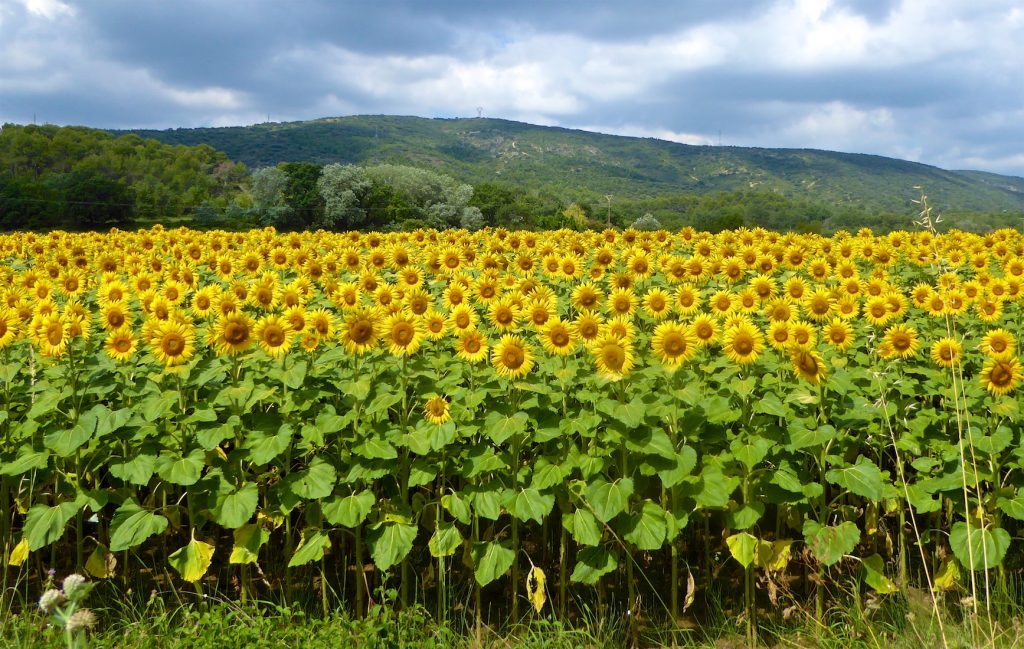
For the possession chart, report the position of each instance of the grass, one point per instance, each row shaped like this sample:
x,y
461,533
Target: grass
x,y
175,620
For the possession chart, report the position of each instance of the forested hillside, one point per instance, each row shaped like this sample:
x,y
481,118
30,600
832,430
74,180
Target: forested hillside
x,y
83,178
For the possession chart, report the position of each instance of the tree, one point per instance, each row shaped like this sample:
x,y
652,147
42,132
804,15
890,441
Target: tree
x,y
342,188
267,188
302,195
90,201
647,222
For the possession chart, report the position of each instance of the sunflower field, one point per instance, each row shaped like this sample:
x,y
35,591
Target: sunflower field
x,y
515,423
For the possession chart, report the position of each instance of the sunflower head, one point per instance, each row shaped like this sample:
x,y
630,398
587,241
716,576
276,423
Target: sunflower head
x,y
512,357
613,356
807,364
437,410
1001,374
947,352
742,343
275,335
403,334
673,343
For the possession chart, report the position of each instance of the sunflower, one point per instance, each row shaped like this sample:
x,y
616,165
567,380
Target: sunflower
x,y
622,301
121,344
900,341
704,329
780,309
503,314
8,327
614,357
998,342
418,301
51,334
274,334
807,364
586,297
877,311
403,334
778,334
802,333
1001,374
114,316
947,352
587,325
471,346
437,410
173,342
818,304
673,343
656,304
435,323
621,327
557,338
722,302
743,343
838,333
512,357
231,334
687,300
204,300
320,322
360,331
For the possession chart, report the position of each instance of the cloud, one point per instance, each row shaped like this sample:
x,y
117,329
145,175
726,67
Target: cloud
x,y
936,80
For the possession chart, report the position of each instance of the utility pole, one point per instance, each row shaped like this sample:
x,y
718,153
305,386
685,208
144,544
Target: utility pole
x,y
608,197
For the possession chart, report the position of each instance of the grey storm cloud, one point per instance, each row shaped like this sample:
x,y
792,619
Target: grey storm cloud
x,y
938,81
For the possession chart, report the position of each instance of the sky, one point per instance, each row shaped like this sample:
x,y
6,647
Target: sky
x,y
934,81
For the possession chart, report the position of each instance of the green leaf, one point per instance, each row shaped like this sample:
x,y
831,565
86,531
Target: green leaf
x,y
193,560
1012,507
295,375
874,575
592,564
979,548
421,472
137,470
719,411
683,464
44,525
491,560
647,528
530,504
863,479
458,507
65,442
743,547
374,448
714,488
608,499
583,527
390,543
154,407
751,452
445,540
315,482
235,508
311,548
630,414
349,511
26,461
830,543
500,427
801,437
132,525
486,502
746,516
770,404
264,448
249,538
181,470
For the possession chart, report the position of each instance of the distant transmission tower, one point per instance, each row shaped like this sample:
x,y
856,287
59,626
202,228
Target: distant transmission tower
x,y
479,112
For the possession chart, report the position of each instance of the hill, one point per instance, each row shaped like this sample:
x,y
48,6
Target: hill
x,y
587,166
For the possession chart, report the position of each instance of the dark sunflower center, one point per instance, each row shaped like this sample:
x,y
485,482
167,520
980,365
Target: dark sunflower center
x,y
273,336
403,333
675,344
1000,375
743,345
361,331
236,333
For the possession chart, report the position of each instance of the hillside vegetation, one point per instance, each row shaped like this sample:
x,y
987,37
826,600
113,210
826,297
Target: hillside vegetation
x,y
587,166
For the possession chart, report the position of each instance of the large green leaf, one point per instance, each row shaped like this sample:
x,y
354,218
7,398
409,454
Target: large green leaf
x,y
44,525
263,448
179,470
683,463
608,499
193,560
234,508
349,511
500,427
390,543
979,548
830,543
249,538
458,507
445,540
647,528
132,525
863,479
583,527
530,504
311,548
65,442
874,575
592,564
136,469
491,560
314,482
743,547
27,460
